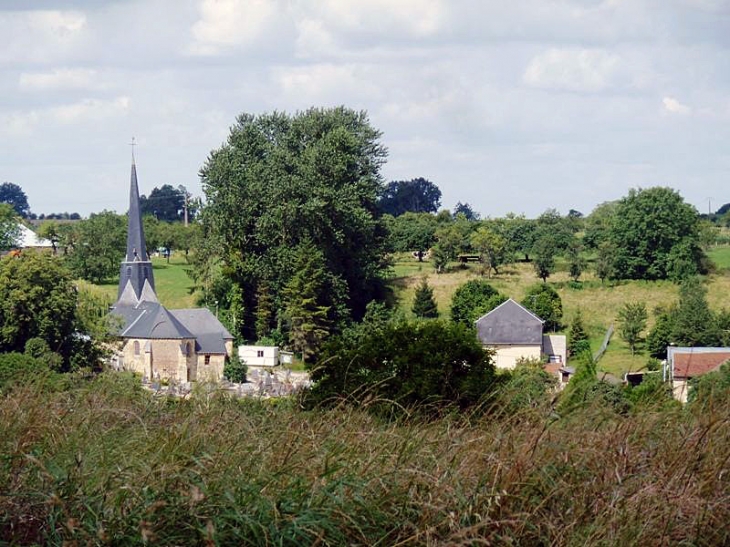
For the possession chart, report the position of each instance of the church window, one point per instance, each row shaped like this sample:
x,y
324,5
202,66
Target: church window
x,y
136,347
190,348
207,359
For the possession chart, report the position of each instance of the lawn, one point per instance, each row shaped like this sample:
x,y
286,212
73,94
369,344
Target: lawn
x,y
599,302
172,284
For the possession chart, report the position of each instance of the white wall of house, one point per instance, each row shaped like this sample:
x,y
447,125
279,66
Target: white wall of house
x,y
506,356
680,387
259,356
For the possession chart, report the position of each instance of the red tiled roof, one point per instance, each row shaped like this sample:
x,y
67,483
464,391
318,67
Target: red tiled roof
x,y
689,365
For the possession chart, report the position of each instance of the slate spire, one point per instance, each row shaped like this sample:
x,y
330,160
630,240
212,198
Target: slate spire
x,y
136,249
135,275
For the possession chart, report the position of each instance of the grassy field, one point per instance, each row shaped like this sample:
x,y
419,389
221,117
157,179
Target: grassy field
x,y
599,303
172,283
104,462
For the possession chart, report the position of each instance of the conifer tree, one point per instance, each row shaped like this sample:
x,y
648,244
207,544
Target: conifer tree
x,y
577,336
305,301
264,311
423,304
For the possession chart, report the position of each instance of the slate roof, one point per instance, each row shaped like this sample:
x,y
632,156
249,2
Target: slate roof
x,y
210,333
136,248
693,362
150,320
510,323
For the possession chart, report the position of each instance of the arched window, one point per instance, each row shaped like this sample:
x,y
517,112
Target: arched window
x,y
136,347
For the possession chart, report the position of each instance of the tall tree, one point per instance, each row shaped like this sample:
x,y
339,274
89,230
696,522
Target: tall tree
x,y
544,252
654,231
694,323
465,209
165,203
491,248
545,302
631,319
13,195
411,232
577,336
416,196
305,298
423,303
282,179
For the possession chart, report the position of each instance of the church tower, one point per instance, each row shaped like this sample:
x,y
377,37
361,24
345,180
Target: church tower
x,y
136,281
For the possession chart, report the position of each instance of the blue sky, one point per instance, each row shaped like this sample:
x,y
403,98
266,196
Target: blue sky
x,y
510,106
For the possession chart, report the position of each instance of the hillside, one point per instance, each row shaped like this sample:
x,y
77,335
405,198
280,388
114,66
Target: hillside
x,y
598,302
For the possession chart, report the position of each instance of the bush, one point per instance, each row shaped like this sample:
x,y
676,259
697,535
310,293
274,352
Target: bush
x,y
235,369
403,364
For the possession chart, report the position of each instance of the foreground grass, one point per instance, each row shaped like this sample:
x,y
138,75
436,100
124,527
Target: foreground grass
x,y
106,463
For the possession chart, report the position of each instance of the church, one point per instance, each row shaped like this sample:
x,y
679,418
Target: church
x,y
184,345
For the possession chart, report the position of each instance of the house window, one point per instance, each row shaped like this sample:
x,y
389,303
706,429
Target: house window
x,y
259,353
136,347
555,359
207,359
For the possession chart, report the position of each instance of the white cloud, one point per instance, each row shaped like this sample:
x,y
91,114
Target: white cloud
x,y
229,23
62,78
582,70
674,106
89,109
413,17
60,23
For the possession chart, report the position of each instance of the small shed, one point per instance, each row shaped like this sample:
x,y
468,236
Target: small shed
x,y
259,356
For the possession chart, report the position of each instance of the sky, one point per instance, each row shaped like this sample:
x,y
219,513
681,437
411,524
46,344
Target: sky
x,y
515,106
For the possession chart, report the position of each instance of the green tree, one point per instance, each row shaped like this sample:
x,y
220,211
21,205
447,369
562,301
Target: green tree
x,y
577,336
166,203
466,211
472,300
631,323
575,261
13,195
559,230
306,302
694,323
49,230
544,257
423,303
545,302
410,196
604,262
660,336
491,248
264,311
404,364
281,179
653,230
520,234
9,227
711,388
37,301
99,247
411,232
598,224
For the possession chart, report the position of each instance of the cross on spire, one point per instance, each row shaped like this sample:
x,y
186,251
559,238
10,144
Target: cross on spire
x,y
133,144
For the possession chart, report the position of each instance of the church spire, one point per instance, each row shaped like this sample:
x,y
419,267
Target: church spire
x,y
136,249
135,274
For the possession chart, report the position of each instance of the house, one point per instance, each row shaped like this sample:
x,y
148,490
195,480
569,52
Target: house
x,y
181,345
515,333
28,239
683,364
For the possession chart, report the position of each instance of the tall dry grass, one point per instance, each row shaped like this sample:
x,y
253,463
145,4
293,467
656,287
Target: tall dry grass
x,y
106,463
